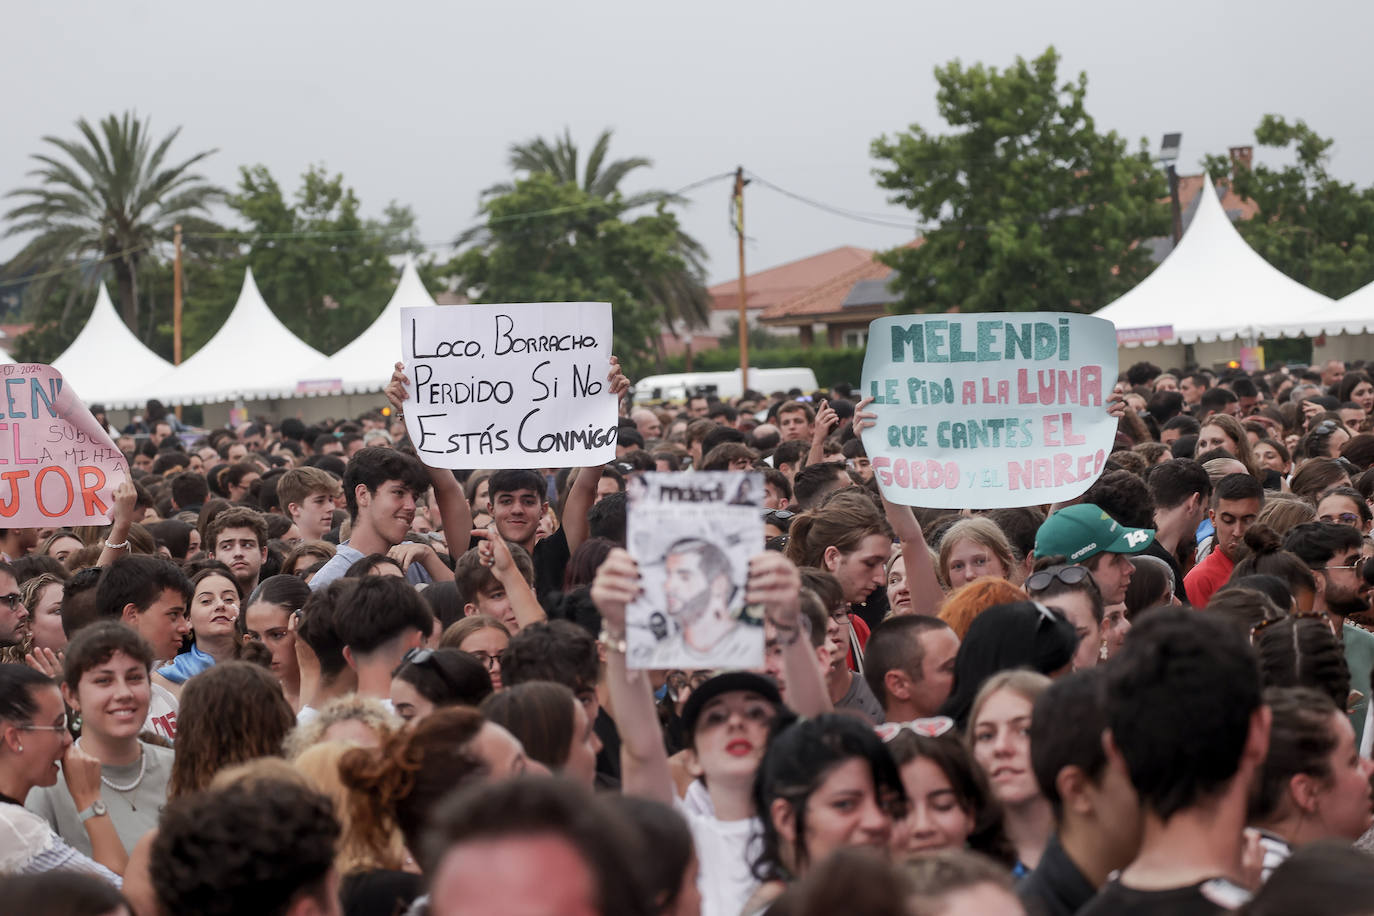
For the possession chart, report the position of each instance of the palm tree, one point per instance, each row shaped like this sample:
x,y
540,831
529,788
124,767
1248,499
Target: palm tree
x,y
681,296
113,201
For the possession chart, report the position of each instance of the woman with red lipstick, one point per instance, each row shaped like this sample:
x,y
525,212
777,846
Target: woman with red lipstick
x,y
727,722
106,672
824,784
999,732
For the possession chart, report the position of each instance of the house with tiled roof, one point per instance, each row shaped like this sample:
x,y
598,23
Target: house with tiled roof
x,y
767,288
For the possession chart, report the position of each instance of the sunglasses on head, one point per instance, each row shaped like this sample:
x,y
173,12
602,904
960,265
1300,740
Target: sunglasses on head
x,y
932,727
1068,575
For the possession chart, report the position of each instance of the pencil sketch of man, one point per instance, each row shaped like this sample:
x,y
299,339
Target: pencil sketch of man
x,y
699,591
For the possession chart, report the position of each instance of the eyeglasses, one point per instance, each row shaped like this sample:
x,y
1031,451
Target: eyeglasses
x,y
46,728
1069,575
840,615
932,727
1356,565
489,661
12,600
1304,615
1345,518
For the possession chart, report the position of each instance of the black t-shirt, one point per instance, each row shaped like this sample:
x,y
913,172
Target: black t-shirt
x,y
551,557
1203,899
381,891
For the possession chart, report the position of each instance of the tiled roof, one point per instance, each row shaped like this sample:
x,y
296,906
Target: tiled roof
x,y
828,298
1236,207
776,284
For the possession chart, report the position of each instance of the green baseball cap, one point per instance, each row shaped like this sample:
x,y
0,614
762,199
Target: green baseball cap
x,y
1083,531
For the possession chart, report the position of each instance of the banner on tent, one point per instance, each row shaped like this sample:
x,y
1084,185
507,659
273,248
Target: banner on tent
x,y
58,467
510,386
987,411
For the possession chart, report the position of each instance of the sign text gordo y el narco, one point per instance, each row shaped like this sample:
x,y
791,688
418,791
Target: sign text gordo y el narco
x,y
983,411
58,467
510,386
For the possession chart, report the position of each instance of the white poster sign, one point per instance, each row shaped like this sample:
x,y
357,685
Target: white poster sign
x,y
693,535
510,386
989,411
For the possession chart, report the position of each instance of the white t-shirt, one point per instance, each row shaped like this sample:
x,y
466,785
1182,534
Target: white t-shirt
x,y
162,713
725,854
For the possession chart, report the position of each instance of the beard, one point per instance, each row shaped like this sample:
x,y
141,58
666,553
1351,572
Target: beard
x,y
1343,603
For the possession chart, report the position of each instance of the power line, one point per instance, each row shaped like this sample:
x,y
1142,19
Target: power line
x,y
890,222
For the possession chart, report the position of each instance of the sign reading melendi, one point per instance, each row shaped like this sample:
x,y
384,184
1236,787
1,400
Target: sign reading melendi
x,y
58,467
982,411
510,386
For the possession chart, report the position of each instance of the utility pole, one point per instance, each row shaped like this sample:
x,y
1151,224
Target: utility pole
x,y
1168,154
176,302
743,288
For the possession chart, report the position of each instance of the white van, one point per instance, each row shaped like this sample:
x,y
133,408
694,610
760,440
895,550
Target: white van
x,y
678,386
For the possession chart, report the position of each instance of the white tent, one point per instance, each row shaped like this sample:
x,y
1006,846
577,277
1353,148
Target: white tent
x,y
1348,327
1214,287
107,364
364,365
253,356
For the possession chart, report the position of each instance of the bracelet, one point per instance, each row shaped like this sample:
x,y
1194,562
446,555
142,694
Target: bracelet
x,y
120,546
613,643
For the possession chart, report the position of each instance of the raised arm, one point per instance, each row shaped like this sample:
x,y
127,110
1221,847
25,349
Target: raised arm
x,y
826,418
455,513
495,553
582,490
117,542
775,584
644,769
926,593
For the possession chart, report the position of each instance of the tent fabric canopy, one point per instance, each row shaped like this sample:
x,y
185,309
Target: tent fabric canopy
x,y
1353,314
1214,287
364,366
106,343
253,356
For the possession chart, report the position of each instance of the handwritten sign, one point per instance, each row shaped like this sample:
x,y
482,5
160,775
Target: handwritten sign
x,y
987,411
58,467
510,386
693,535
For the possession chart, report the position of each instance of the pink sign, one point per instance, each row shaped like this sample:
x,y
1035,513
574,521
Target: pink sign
x,y
57,466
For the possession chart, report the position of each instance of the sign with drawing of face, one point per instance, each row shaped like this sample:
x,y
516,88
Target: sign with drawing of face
x,y
693,535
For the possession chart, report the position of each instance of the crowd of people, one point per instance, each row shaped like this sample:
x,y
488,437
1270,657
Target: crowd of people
x,y
303,673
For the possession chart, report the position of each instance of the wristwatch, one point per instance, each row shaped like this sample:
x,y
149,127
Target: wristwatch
x,y
98,809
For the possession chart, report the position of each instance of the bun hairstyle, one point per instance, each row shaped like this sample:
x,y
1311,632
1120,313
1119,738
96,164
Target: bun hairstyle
x,y
399,784
1265,556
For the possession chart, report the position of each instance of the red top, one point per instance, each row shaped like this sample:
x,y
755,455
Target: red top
x,y
1208,576
861,633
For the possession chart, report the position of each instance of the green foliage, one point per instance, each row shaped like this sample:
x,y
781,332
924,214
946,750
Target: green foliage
x,y
551,241
110,195
324,269
1315,229
679,295
1036,209
760,337
831,365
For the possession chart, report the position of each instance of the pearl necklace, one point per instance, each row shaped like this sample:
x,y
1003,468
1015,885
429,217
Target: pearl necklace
x,y
142,769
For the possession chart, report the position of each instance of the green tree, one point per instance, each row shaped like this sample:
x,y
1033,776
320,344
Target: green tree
x,y
325,270
1315,229
551,241
679,296
1033,208
112,196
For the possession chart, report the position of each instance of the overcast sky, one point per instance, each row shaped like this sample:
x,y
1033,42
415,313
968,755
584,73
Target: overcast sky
x,y
418,101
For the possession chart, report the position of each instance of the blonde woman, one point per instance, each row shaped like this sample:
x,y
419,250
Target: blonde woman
x,y
973,548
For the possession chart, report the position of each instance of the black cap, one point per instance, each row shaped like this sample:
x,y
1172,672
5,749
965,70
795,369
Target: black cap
x,y
725,683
